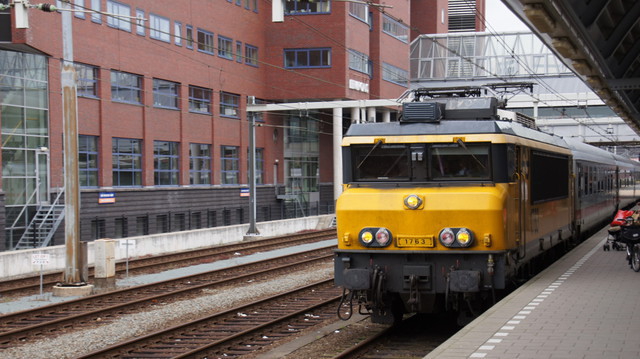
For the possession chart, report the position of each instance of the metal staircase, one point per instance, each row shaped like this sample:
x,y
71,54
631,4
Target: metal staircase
x,y
43,225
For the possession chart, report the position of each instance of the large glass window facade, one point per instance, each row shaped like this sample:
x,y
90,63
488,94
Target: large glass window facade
x,y
25,139
127,162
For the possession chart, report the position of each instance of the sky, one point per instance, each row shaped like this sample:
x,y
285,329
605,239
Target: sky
x,y
501,19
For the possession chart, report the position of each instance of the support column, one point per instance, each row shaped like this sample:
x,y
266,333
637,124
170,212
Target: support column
x,y
386,115
371,114
355,115
337,152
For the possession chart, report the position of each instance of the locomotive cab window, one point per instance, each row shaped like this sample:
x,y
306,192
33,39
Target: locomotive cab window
x,y
459,162
381,162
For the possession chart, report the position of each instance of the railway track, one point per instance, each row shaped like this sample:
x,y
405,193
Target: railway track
x,y
237,331
31,285
22,327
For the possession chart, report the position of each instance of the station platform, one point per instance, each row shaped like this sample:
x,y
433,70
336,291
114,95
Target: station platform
x,y
586,305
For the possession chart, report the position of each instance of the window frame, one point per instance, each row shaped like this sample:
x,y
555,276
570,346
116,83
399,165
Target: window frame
x,y
88,146
249,57
196,161
117,87
136,158
297,52
84,81
229,155
395,28
173,95
229,101
206,46
194,102
159,28
118,8
303,7
225,47
173,159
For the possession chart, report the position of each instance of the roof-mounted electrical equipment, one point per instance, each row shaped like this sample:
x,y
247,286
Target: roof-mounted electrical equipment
x,y
422,112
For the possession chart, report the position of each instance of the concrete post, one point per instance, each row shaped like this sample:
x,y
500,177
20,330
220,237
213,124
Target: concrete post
x,y
337,152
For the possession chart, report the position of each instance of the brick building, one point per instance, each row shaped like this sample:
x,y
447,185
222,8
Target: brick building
x,y
162,89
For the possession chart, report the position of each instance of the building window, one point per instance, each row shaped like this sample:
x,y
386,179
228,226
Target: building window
x,y
230,169
142,225
395,74
95,15
360,62
87,80
199,99
239,51
162,223
307,6
98,230
199,164
259,165
189,37
140,30
121,227
88,160
205,41
360,11
160,28
196,220
251,55
395,28
225,47
307,58
123,19
126,87
79,9
177,33
165,94
229,104
127,162
179,222
165,163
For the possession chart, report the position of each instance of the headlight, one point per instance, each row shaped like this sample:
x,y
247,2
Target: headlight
x,y
413,201
382,237
375,237
463,237
366,237
446,237
456,237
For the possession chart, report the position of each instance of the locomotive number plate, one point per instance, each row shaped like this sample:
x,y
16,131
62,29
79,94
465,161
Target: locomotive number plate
x,y
404,241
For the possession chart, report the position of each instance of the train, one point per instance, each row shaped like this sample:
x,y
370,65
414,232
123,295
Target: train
x,y
459,200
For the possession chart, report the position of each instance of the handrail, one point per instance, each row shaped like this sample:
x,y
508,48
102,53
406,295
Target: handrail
x,y
53,205
24,208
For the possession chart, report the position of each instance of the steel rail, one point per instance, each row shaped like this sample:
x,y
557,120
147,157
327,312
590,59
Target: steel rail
x,y
19,327
31,284
215,325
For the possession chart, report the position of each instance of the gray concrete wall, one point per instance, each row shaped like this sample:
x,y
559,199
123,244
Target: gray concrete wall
x,y
18,263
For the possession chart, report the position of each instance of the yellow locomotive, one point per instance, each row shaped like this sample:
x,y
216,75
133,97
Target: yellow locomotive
x,y
458,199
